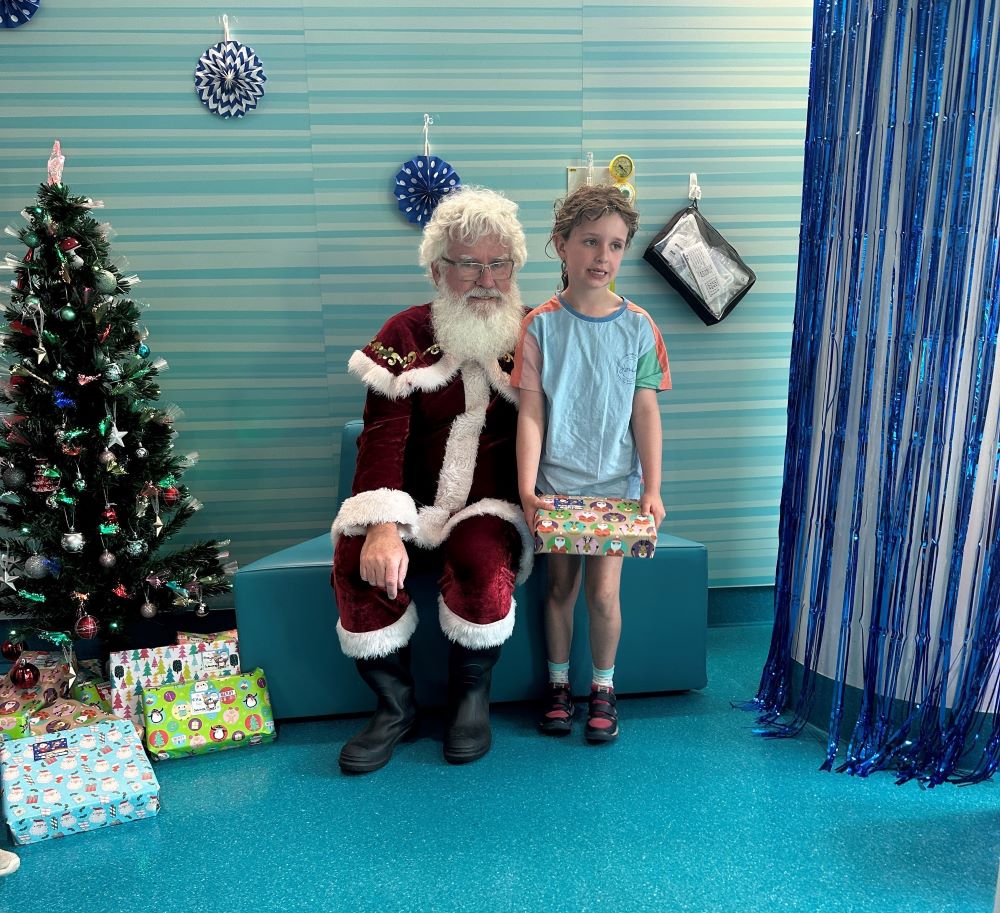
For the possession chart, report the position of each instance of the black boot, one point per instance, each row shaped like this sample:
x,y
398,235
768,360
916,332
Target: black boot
x,y
395,715
468,736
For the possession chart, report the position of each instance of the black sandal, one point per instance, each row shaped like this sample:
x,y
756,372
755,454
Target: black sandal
x,y
558,716
603,707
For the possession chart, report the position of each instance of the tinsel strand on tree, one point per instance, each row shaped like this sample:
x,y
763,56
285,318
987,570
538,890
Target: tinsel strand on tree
x,y
91,487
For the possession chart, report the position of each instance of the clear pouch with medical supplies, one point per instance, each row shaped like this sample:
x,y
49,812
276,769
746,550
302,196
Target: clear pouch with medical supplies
x,y
698,261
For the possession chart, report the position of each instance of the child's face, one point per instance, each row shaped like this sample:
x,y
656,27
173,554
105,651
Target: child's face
x,y
593,251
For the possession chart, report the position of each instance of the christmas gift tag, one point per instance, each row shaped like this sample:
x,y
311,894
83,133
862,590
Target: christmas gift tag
x,y
584,525
69,782
209,715
136,670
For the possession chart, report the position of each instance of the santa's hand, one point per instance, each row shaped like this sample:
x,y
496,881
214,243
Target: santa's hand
x,y
384,561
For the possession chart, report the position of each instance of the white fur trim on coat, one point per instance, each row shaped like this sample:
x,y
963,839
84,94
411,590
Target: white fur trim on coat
x,y
473,636
462,449
373,644
382,505
399,386
500,381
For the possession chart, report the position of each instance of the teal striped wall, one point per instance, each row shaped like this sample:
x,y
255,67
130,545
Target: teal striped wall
x,y
270,247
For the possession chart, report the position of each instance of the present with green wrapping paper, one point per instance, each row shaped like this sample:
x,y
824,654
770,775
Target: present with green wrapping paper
x,y
213,714
14,718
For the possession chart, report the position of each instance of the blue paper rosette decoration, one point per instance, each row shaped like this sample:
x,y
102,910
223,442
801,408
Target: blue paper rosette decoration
x,y
229,78
420,185
16,12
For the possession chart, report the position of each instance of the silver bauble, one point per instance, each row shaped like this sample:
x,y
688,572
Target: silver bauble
x,y
134,548
36,567
147,610
73,542
107,560
105,281
14,477
141,453
202,610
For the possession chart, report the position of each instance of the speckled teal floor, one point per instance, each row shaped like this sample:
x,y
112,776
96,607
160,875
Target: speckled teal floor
x,y
687,812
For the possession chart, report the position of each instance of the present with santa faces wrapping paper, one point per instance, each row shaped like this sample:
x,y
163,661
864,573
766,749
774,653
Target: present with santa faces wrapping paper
x,y
70,782
586,525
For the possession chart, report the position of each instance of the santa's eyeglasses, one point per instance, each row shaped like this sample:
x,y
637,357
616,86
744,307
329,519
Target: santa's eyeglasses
x,y
472,270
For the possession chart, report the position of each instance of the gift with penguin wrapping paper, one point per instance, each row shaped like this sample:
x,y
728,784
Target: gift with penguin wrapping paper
x,y
208,715
584,525
74,781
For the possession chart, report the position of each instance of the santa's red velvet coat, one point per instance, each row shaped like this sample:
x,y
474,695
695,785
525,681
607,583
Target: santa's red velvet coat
x,y
437,449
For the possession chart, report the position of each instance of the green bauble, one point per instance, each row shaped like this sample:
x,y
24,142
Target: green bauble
x,y
105,282
59,373
67,314
32,302
30,239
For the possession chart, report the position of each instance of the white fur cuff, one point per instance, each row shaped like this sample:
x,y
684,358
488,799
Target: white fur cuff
x,y
473,636
367,508
373,644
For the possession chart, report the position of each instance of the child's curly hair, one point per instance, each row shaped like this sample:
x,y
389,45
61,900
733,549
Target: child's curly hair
x,y
588,204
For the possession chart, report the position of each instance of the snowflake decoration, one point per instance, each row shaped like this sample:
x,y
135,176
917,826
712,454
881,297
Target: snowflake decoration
x,y
229,79
16,12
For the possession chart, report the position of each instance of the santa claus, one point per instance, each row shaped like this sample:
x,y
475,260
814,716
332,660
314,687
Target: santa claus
x,y
436,473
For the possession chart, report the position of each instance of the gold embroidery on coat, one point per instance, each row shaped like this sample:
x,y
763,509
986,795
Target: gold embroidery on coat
x,y
391,357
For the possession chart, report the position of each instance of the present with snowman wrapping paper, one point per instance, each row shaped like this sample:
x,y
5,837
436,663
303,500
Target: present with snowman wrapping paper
x,y
585,525
74,781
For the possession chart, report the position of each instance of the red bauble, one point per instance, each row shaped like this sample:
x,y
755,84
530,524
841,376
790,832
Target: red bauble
x,y
24,675
170,496
86,627
10,650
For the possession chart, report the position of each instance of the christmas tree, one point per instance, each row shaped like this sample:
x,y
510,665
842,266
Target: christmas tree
x,y
91,486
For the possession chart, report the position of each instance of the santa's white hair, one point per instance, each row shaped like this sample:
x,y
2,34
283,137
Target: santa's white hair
x,y
467,216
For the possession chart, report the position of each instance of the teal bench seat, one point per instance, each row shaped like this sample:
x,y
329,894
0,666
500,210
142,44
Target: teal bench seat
x,y
287,616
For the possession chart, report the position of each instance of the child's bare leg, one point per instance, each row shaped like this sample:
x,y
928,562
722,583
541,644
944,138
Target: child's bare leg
x,y
564,586
604,608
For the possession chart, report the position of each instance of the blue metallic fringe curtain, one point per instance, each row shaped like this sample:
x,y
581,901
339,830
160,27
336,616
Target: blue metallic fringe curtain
x,y
887,594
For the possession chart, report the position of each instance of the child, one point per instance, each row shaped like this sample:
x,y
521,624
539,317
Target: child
x,y
588,365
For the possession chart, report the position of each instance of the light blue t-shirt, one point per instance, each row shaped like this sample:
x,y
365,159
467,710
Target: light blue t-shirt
x,y
588,369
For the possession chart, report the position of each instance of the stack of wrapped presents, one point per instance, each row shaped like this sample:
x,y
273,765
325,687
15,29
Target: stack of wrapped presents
x,y
75,748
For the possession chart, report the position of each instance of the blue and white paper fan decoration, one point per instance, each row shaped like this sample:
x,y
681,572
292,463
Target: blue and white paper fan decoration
x,y
229,78
16,12
423,181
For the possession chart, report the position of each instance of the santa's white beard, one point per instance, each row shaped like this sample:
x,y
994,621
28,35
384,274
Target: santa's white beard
x,y
480,325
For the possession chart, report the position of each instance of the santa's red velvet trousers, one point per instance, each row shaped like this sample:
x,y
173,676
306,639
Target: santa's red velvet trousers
x,y
477,565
